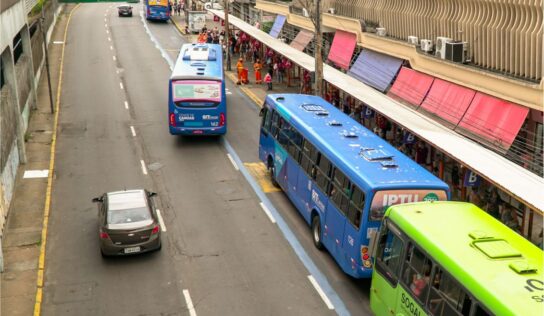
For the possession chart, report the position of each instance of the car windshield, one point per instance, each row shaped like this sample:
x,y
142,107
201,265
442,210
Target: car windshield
x,y
126,216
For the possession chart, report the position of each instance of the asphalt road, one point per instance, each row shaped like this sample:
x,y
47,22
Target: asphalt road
x,y
219,247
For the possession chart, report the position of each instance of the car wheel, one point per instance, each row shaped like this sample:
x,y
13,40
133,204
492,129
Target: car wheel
x,y
316,232
130,15
103,254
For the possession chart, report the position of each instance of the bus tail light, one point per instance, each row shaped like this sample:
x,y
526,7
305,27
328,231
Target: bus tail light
x,y
222,119
148,11
172,120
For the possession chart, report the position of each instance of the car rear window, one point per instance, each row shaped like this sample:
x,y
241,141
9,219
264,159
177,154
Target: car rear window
x,y
126,216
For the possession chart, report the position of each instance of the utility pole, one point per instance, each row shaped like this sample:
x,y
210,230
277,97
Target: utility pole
x,y
227,34
42,19
318,48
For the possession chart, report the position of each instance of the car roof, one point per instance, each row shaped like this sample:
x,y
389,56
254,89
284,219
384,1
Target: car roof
x,y
121,200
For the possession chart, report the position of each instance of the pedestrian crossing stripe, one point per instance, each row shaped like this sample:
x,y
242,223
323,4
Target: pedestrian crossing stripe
x,y
259,172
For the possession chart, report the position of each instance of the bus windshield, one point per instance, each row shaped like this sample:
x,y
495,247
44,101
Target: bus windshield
x,y
202,91
383,199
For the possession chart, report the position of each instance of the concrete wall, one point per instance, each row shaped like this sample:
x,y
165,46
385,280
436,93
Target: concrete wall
x,y
18,95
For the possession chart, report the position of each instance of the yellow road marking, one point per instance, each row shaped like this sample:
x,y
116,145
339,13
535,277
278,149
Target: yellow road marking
x,y
259,172
246,90
47,207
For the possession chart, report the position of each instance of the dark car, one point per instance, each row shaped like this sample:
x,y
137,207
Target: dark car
x,y
125,10
128,223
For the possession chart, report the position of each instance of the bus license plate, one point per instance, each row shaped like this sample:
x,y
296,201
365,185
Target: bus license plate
x,y
132,249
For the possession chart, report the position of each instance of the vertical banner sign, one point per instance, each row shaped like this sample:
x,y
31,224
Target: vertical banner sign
x,y
409,138
472,179
369,113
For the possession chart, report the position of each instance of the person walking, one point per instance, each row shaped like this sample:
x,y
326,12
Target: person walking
x,y
268,80
240,69
257,66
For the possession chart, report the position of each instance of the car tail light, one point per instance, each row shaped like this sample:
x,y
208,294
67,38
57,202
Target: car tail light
x,y
222,119
172,119
155,230
104,235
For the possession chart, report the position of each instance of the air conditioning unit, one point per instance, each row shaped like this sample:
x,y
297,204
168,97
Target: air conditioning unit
x,y
441,46
380,31
426,45
331,10
413,40
305,13
457,51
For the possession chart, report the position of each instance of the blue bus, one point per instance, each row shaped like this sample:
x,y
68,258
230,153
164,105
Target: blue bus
x,y
197,102
158,10
339,175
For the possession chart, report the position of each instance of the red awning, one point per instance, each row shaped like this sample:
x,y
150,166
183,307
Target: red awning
x,y
302,39
448,100
495,121
411,86
342,48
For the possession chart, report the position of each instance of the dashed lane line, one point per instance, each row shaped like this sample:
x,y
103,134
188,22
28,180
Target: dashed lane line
x,y
161,221
189,302
320,292
144,169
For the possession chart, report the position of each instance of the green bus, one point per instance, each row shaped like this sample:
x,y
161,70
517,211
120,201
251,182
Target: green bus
x,y
452,258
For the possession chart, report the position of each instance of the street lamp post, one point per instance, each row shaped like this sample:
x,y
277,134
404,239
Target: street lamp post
x,y
318,47
227,34
42,19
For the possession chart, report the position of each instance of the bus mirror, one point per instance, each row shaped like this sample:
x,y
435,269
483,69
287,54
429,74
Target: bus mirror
x,y
262,111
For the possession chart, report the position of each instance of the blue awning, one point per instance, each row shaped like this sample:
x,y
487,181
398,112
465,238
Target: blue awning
x,y
375,69
278,24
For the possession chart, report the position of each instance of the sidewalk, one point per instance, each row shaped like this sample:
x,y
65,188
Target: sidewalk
x,y
23,231
254,91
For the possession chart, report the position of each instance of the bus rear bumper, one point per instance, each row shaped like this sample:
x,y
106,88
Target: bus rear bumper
x,y
198,131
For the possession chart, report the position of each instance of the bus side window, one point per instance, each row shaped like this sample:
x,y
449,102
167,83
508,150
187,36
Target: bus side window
x,y
285,128
267,119
356,207
306,161
274,124
388,254
447,297
417,273
323,171
295,140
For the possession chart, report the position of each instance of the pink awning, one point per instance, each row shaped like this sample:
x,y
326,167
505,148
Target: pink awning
x,y
411,86
448,100
342,48
493,120
302,39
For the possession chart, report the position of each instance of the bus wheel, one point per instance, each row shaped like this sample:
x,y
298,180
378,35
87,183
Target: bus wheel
x,y
316,232
272,172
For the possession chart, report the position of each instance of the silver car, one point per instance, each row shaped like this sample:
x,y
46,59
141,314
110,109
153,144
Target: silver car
x,y
127,223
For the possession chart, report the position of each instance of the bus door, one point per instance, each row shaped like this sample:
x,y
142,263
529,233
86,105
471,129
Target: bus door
x,y
356,245
335,222
266,139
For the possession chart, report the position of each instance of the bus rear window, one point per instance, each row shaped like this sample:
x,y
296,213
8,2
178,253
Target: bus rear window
x,y
196,91
383,199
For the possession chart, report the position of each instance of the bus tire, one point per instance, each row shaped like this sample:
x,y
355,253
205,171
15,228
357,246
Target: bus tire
x,y
272,172
316,232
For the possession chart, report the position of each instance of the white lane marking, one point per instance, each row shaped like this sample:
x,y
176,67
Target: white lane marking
x,y
161,222
228,92
121,85
114,58
58,42
109,39
265,209
126,105
133,131
320,292
107,32
32,174
190,306
105,19
105,24
233,162
111,47
144,169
